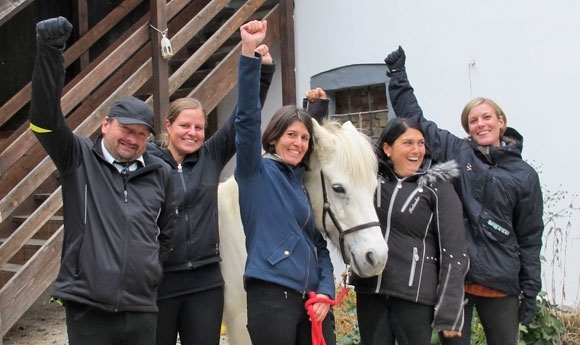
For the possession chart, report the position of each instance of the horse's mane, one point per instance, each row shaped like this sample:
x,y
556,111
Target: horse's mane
x,y
354,150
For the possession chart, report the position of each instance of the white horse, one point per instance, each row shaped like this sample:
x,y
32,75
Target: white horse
x,y
341,183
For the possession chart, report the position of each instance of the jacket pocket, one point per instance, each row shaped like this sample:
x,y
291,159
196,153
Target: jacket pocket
x,y
497,232
284,250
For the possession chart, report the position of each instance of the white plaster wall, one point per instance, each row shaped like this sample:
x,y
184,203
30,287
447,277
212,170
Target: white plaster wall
x,y
526,55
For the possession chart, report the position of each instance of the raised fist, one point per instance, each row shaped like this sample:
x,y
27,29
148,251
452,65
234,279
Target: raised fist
x,y
54,31
395,61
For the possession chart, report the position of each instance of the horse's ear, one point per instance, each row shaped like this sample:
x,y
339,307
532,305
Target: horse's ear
x,y
348,125
324,142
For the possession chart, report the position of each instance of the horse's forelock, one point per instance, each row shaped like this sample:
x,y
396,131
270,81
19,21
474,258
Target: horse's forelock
x,y
354,150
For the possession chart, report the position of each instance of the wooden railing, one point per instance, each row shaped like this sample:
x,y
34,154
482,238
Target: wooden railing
x,y
125,68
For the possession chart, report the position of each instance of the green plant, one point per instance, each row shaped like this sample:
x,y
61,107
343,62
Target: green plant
x,y
345,319
550,326
545,328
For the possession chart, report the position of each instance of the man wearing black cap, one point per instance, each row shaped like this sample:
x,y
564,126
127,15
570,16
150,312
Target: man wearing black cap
x,y
118,208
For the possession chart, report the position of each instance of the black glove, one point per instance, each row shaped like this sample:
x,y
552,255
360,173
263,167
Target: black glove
x,y
527,310
395,61
54,32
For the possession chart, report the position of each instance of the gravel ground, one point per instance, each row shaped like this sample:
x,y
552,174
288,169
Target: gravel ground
x,y
44,324
40,325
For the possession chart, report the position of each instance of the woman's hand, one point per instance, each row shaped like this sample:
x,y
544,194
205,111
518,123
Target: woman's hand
x,y
252,33
315,94
265,52
321,308
451,334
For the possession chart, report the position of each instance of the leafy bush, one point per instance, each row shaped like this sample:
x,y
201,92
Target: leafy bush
x,y
546,328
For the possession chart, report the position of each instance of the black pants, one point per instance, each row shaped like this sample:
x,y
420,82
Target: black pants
x,y
499,318
197,317
90,326
386,320
276,315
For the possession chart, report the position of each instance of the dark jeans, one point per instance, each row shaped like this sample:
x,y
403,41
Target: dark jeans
x,y
499,318
197,317
276,315
91,326
386,320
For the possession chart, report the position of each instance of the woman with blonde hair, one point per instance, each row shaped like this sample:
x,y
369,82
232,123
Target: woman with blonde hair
x,y
502,209
191,294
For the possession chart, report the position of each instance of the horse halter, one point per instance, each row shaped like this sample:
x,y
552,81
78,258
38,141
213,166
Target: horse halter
x,y
341,233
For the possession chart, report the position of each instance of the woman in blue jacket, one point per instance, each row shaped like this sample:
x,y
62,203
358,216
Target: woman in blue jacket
x,y
287,256
191,294
502,209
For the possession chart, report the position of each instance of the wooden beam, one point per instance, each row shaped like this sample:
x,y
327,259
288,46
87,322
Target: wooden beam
x,y
160,65
9,9
222,79
82,86
22,97
25,286
212,44
288,52
183,36
83,27
30,226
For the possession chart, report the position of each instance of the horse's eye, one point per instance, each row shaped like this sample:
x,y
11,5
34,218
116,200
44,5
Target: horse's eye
x,y
338,189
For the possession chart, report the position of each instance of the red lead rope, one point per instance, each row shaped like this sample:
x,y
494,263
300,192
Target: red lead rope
x,y
317,337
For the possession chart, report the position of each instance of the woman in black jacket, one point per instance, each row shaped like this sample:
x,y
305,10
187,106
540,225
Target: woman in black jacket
x,y
421,288
191,295
502,203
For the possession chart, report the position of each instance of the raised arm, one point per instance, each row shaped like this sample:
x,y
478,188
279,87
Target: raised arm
x,y
248,115
222,143
46,118
401,92
442,143
316,103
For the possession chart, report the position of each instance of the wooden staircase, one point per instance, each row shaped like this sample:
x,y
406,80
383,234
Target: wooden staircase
x,y
205,39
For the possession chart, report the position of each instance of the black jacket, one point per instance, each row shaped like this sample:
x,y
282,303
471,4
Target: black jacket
x,y
196,182
115,233
421,219
502,200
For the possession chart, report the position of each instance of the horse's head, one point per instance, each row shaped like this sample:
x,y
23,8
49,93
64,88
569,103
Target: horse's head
x,y
342,182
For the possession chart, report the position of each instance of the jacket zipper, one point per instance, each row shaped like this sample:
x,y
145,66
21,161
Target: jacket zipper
x,y
414,261
185,214
388,227
309,254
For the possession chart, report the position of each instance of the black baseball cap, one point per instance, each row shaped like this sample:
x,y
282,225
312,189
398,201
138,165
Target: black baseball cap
x,y
133,111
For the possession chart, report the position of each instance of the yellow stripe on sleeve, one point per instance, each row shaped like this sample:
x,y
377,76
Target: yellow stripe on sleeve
x,y
37,129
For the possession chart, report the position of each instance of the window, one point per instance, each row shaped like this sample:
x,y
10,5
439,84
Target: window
x,y
357,93
365,107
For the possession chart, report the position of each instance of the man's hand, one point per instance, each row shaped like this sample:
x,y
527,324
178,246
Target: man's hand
x,y
395,61
54,32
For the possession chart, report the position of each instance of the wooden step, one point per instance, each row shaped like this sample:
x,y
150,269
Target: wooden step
x,y
44,233
9,267
23,218
7,271
25,252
